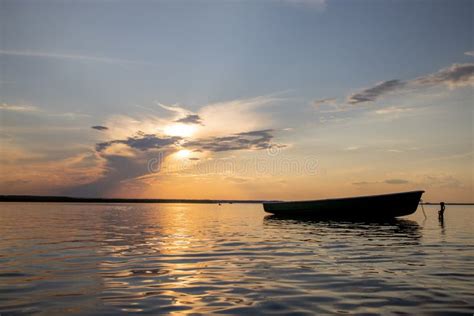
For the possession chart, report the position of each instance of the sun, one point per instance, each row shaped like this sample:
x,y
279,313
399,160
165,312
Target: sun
x,y
183,153
182,130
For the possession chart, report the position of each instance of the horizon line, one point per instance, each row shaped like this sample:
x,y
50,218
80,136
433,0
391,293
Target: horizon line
x,y
59,199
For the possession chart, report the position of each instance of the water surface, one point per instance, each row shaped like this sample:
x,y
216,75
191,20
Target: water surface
x,y
231,259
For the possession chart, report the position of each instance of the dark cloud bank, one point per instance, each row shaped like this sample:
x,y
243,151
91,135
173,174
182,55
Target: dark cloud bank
x,y
254,140
141,142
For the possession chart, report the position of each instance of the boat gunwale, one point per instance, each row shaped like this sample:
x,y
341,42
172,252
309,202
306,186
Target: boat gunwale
x,y
345,198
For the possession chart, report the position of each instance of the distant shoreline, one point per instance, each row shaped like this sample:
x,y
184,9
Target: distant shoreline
x,y
63,199
446,203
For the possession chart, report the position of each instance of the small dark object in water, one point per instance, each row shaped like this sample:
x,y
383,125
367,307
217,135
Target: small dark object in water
x,y
441,211
375,206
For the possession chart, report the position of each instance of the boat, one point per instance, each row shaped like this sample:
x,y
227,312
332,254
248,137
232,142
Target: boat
x,y
375,206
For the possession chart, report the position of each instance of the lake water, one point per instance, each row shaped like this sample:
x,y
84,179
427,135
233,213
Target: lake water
x,y
232,259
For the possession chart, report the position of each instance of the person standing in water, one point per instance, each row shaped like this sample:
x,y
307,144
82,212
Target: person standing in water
x,y
441,211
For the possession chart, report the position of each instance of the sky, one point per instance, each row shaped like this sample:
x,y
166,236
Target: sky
x,y
237,99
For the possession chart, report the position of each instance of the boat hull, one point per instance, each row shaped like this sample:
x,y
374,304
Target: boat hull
x,y
375,206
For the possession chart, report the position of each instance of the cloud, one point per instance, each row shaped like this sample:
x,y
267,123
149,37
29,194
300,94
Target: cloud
x,y
470,53
396,181
133,142
36,173
141,142
442,181
21,108
373,93
361,183
128,159
317,103
190,119
182,115
456,75
125,160
393,110
174,108
388,181
352,148
18,108
100,127
253,140
76,57
117,170
243,114
231,117
396,112
70,115
238,179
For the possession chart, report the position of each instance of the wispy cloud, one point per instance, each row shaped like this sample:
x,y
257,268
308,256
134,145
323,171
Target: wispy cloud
x,y
361,183
363,102
442,180
470,53
76,57
317,103
387,181
190,119
34,110
18,107
174,108
253,140
396,181
352,148
70,115
393,110
100,127
373,93
244,114
454,76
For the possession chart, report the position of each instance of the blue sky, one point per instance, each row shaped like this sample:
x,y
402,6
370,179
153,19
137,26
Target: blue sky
x,y
83,63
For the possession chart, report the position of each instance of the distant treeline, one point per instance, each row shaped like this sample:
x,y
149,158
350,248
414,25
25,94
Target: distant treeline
x,y
35,198
38,198
447,203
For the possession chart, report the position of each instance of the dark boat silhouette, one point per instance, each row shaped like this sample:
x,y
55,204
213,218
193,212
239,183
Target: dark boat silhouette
x,y
374,206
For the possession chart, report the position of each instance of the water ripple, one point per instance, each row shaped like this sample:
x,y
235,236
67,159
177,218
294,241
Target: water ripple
x,y
109,259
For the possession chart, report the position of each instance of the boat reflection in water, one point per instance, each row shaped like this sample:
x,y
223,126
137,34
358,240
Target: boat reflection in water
x,y
396,230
